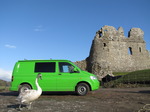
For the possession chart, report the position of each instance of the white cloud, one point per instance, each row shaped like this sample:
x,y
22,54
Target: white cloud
x,y
39,28
10,46
5,74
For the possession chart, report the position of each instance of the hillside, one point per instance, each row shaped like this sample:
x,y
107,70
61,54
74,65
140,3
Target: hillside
x,y
4,85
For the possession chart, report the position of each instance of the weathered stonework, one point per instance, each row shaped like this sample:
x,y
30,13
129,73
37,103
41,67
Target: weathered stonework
x,y
111,52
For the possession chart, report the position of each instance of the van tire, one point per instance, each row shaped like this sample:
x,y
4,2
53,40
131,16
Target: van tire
x,y
24,87
82,89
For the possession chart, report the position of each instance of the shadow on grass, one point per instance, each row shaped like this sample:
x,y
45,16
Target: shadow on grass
x,y
43,93
59,93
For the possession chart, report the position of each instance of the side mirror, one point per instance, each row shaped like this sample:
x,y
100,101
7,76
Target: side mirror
x,y
75,70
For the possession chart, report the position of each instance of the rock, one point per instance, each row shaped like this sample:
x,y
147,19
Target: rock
x,y
120,31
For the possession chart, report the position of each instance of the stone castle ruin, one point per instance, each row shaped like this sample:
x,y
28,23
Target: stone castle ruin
x,y
111,52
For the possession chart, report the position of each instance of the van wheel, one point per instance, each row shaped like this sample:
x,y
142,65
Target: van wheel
x,y
82,89
24,87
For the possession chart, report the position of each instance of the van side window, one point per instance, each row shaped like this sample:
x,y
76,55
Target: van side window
x,y
65,67
45,67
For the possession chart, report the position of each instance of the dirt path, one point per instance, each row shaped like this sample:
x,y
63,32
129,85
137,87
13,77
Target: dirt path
x,y
102,100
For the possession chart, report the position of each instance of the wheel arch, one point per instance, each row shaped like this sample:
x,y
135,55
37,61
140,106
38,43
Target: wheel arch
x,y
23,84
85,83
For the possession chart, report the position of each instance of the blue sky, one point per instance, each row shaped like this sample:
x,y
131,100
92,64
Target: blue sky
x,y
62,29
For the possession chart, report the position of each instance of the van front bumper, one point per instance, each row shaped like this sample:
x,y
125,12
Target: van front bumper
x,y
95,85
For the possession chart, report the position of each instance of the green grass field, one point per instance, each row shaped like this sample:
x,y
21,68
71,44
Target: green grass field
x,y
137,76
131,79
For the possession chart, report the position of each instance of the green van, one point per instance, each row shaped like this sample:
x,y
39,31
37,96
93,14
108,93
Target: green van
x,y
57,75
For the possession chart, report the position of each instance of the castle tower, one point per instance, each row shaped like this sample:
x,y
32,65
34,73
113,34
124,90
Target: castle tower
x,y
111,51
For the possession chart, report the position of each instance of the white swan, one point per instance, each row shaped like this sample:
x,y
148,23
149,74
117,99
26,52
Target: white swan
x,y
28,96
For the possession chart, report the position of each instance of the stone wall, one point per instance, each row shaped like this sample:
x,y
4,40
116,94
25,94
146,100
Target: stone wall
x,y
111,52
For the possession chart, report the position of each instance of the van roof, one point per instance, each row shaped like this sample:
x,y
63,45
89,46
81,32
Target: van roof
x,y
42,60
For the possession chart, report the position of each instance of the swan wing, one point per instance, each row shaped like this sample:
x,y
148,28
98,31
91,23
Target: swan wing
x,y
28,96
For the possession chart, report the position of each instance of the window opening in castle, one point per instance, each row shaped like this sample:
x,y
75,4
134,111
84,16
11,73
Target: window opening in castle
x,y
130,51
140,49
100,34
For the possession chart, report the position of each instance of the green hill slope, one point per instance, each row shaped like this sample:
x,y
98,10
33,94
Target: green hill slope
x,y
132,79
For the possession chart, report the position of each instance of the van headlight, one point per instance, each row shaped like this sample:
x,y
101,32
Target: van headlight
x,y
93,77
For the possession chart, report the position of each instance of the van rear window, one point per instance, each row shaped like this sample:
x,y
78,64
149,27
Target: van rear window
x,y
45,67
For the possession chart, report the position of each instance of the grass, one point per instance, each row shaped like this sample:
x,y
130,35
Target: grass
x,y
131,79
120,73
137,76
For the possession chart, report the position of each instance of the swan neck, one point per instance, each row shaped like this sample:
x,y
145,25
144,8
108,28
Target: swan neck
x,y
37,85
